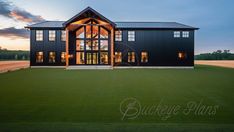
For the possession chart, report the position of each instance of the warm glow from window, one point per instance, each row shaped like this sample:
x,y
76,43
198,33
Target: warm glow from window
x,y
182,55
39,57
79,44
80,33
80,58
103,33
118,35
63,57
51,57
131,56
144,57
104,44
118,57
104,58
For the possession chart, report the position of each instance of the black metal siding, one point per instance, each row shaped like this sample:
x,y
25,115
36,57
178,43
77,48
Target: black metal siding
x,y
46,46
161,46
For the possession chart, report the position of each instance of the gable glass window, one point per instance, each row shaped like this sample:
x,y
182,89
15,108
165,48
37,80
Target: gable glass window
x,y
118,35
79,44
182,55
92,43
51,57
185,34
80,33
63,35
118,57
131,57
52,35
63,57
144,57
103,33
131,35
39,35
104,44
39,57
176,34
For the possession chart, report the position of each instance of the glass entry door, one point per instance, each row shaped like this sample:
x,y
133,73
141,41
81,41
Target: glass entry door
x,y
92,58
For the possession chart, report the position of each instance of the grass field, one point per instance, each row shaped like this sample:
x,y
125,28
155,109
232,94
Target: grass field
x,y
63,100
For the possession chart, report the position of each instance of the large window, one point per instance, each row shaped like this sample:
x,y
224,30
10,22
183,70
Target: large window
x,y
131,57
39,57
104,58
103,33
52,35
118,35
63,35
182,55
52,57
39,35
104,44
131,35
185,34
92,44
144,57
118,57
63,57
80,45
176,34
80,58
80,33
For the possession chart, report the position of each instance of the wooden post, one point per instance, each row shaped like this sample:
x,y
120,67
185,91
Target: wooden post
x,y
112,47
67,43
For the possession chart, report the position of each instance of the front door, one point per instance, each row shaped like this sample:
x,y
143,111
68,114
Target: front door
x,y
92,58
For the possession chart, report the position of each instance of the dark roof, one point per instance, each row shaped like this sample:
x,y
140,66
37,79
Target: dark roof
x,y
155,25
88,9
47,24
159,25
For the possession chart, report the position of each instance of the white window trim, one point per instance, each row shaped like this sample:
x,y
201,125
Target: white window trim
x,y
131,36
119,36
185,34
39,33
53,35
177,34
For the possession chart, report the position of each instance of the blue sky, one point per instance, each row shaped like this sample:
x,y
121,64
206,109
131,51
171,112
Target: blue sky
x,y
215,18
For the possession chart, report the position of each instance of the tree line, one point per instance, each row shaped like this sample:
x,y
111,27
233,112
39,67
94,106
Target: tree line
x,y
14,54
216,55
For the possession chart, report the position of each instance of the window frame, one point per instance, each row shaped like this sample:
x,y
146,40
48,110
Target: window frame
x,y
39,34
131,36
50,56
121,59
53,35
118,35
132,55
147,57
38,53
63,35
177,34
185,34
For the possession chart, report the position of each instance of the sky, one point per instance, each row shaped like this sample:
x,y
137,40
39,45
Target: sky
x,y
215,18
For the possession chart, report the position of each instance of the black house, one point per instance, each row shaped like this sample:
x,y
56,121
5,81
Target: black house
x,y
91,40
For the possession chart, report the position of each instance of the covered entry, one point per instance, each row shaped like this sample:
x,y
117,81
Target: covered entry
x,y
89,39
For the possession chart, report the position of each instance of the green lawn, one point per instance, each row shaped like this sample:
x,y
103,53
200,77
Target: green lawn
x,y
69,100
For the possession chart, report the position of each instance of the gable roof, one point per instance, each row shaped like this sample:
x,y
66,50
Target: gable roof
x,y
84,11
135,25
